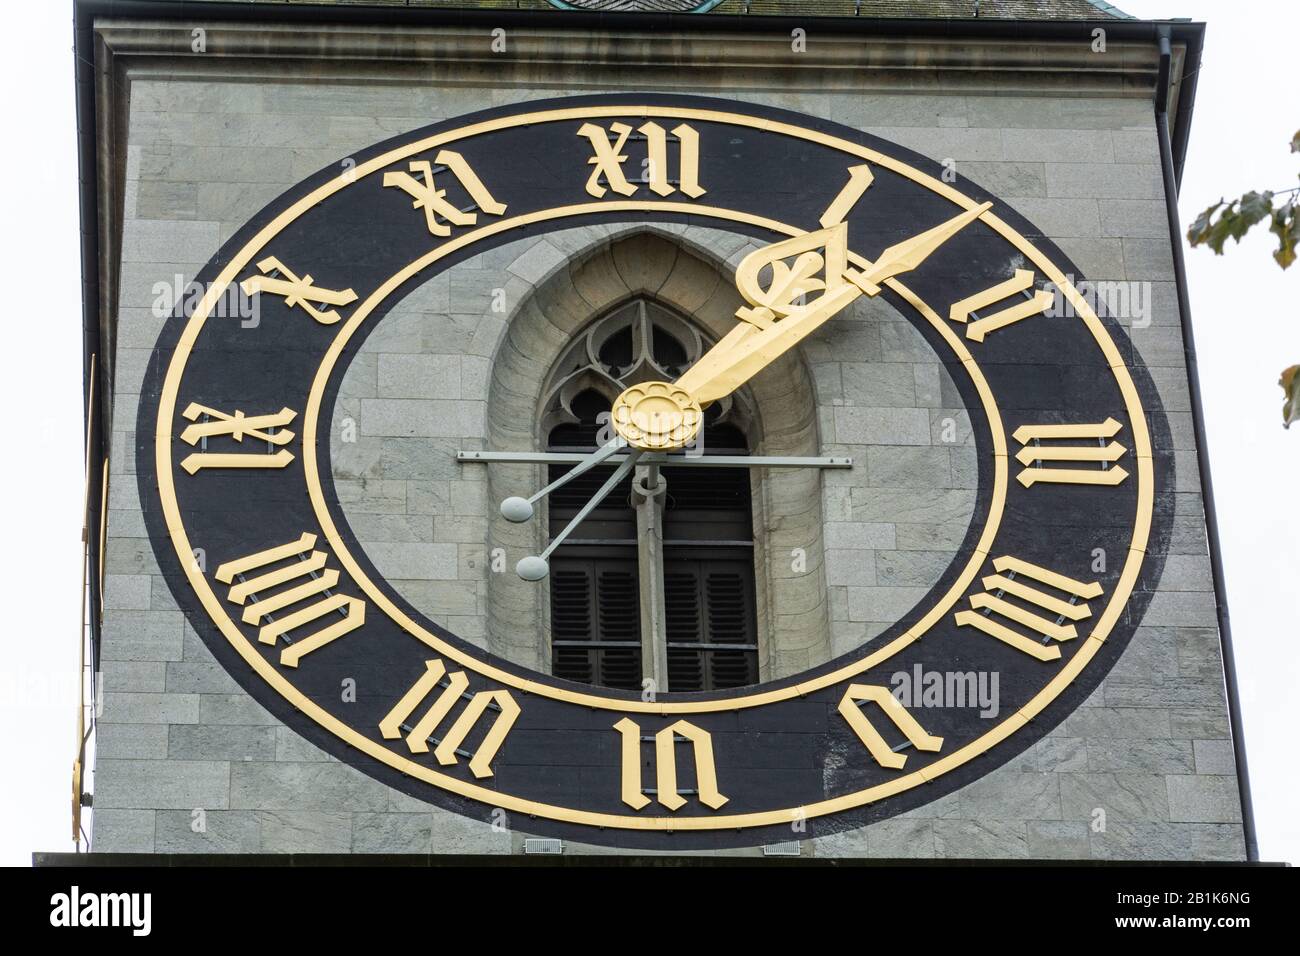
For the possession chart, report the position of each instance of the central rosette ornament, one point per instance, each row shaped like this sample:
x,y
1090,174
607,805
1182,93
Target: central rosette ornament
x,y
657,416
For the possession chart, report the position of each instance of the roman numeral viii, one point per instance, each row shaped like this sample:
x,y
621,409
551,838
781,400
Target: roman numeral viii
x,y
1064,604
448,690
288,588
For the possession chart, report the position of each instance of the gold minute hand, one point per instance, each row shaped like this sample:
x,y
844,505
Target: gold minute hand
x,y
757,342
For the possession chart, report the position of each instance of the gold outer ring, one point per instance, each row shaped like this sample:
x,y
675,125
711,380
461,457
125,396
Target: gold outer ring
x,y
277,681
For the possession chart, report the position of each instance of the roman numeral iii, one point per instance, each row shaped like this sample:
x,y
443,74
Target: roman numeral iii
x,y
449,693
1086,443
1064,605
282,601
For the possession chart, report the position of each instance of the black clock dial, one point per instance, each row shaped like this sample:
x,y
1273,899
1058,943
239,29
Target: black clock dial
x,y
233,460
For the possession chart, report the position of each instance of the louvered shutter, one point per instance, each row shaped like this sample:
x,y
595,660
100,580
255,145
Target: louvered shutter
x,y
596,622
711,602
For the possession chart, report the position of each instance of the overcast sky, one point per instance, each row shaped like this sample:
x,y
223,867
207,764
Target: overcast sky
x,y
1247,329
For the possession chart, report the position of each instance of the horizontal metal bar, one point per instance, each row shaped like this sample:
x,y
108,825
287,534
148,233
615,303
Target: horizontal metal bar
x,y
670,461
704,646
595,645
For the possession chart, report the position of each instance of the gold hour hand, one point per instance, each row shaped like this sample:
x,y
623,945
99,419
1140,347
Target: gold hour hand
x,y
778,317
910,253
661,416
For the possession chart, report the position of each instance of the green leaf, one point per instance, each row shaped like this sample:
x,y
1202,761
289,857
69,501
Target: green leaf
x,y
1286,227
1235,219
1199,230
1290,382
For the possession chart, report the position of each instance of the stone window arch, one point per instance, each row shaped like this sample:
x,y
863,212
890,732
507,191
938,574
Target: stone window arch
x,y
545,359
657,585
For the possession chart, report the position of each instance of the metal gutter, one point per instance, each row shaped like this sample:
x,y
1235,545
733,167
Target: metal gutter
x,y
1167,166
94,392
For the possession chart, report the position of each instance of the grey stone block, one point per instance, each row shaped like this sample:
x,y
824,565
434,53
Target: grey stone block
x,y
882,426
127,592
1167,841
1123,796
1106,181
390,528
1058,217
164,240
1148,258
419,376
232,709
162,784
1008,180
878,384
147,677
911,568
1056,840
1143,218
305,831
1204,799
1214,757
304,786
980,839
948,142
855,568
1096,258
885,604
1006,795
221,742
858,535
143,635
199,677
1141,756
131,741
292,747
1117,722
408,417
414,561
122,831
392,832
217,831
893,467
133,708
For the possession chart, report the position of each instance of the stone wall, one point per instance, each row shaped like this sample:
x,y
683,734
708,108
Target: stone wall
x,y
179,743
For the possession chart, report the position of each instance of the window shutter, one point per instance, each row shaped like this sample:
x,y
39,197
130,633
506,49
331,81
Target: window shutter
x,y
710,601
596,622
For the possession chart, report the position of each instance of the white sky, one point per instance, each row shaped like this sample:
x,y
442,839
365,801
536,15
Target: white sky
x,y
1246,325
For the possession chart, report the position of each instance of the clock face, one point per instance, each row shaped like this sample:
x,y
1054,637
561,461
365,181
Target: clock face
x,y
1043,587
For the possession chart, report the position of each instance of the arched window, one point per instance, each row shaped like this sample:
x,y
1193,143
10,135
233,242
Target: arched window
x,y
692,544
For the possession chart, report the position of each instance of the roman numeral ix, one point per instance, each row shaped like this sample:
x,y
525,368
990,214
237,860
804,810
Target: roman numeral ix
x,y
210,423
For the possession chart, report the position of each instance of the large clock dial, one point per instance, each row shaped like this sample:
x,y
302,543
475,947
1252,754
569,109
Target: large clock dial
x,y
235,439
